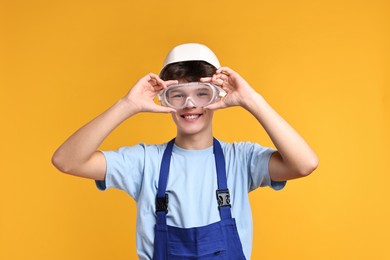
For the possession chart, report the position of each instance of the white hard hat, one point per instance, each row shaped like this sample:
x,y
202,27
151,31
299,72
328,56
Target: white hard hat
x,y
191,52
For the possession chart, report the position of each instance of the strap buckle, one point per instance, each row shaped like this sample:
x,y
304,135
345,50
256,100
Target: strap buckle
x,y
223,198
162,204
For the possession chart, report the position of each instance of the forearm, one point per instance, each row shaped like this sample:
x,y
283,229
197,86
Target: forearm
x,y
294,157
295,152
80,146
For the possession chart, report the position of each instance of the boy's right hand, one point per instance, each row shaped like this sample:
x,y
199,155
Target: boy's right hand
x,y
142,94
78,155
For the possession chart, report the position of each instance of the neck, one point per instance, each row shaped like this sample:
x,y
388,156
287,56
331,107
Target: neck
x,y
194,142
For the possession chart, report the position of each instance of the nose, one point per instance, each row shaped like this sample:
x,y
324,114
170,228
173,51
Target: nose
x,y
190,102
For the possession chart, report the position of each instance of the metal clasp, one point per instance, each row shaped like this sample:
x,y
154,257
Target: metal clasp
x,y
223,198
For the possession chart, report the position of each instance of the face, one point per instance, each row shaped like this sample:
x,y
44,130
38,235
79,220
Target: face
x,y
192,119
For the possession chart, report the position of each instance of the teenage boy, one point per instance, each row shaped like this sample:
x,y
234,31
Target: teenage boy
x,y
192,192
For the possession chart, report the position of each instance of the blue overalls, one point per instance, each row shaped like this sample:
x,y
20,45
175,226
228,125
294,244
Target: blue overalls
x,y
218,240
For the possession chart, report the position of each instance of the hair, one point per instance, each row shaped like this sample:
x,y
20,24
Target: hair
x,y
189,71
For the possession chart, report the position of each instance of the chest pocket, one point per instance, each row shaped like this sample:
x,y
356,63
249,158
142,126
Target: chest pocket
x,y
196,243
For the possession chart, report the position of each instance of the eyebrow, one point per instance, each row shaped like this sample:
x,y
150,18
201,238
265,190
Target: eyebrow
x,y
175,90
200,89
183,91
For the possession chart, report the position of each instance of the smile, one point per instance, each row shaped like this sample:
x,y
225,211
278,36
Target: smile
x,y
191,117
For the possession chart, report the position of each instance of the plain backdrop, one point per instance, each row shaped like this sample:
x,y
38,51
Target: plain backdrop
x,y
323,65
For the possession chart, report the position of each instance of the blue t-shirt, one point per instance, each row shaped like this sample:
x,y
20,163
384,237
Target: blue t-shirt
x,y
191,187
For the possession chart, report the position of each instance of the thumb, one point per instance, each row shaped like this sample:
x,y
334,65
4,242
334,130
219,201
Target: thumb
x,y
217,105
161,109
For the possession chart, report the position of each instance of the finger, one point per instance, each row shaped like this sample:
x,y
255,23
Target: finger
x,y
155,79
217,81
205,79
225,70
151,79
214,78
224,77
158,80
157,87
220,79
170,82
154,76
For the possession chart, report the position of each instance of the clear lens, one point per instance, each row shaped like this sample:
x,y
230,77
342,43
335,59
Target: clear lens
x,y
199,94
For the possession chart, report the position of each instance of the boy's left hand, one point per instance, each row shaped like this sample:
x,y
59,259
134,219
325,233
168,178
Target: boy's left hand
x,y
238,90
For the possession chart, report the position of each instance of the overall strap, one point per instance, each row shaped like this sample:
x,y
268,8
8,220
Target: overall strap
x,y
162,197
223,195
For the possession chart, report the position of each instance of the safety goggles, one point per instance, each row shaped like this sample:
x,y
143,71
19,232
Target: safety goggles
x,y
196,94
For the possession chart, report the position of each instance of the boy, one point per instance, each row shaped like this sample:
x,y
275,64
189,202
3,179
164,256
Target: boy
x,y
192,192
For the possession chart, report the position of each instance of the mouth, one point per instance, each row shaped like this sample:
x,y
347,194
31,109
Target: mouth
x,y
191,117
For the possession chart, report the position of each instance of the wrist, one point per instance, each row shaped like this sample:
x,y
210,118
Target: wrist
x,y
254,102
127,107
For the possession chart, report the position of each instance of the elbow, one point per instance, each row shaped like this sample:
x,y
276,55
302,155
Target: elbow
x,y
309,166
59,162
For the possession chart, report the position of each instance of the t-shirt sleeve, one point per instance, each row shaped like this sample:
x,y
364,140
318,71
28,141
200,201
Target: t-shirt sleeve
x,y
124,171
257,158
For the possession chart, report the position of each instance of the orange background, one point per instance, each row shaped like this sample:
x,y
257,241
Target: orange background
x,y
323,65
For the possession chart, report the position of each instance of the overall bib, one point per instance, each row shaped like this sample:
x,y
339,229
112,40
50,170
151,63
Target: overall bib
x,y
218,240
